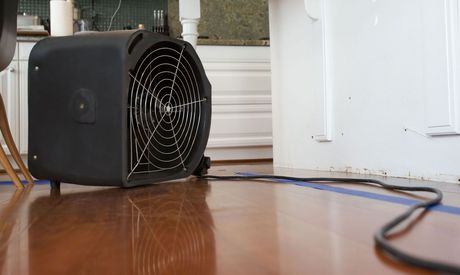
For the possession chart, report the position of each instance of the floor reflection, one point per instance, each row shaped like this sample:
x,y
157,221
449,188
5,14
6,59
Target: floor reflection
x,y
164,229
172,232
10,227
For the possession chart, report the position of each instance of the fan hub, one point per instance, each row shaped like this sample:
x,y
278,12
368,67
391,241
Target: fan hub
x,y
168,109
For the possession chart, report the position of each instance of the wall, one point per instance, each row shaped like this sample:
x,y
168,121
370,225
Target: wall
x,y
370,87
131,13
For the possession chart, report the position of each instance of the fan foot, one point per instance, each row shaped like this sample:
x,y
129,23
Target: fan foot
x,y
55,185
203,167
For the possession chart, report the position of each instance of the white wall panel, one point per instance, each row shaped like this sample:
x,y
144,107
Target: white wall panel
x,y
440,73
392,71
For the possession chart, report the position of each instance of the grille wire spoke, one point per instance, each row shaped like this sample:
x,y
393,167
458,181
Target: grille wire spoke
x,y
177,145
188,104
175,74
150,138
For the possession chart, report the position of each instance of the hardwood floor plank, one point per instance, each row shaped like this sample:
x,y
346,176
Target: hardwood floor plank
x,y
195,226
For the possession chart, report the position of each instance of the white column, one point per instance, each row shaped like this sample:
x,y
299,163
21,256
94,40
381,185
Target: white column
x,y
189,14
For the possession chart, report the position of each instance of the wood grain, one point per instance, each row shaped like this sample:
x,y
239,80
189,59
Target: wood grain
x,y
197,227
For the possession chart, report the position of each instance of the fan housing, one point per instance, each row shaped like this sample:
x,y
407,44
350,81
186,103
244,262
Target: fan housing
x,y
119,108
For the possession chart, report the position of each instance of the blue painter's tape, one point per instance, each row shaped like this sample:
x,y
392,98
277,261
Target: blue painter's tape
x,y
368,195
7,182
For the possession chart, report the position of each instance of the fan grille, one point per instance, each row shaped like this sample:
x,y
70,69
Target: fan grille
x,y
164,116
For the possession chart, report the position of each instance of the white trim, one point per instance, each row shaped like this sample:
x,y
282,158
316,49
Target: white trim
x,y
240,141
321,43
243,100
237,66
238,153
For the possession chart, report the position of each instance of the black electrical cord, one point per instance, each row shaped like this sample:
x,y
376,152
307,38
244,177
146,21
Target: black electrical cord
x,y
380,237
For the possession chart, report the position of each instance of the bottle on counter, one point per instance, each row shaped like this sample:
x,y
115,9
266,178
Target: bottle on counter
x,y
61,17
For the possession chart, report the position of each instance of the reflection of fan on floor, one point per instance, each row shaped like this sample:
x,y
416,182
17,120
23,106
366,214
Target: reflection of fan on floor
x,y
165,229
172,231
117,108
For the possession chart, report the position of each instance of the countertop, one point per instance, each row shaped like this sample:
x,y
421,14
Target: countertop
x,y
208,42
233,42
30,38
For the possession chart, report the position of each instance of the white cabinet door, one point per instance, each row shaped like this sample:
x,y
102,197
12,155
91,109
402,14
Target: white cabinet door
x,y
10,92
24,49
241,126
23,106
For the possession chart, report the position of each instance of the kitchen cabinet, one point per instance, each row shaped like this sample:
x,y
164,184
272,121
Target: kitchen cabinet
x,y
241,126
241,77
13,84
9,85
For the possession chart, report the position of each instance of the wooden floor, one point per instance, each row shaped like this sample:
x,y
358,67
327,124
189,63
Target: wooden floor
x,y
199,227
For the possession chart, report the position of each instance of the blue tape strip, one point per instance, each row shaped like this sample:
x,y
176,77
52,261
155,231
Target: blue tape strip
x,y
7,182
368,195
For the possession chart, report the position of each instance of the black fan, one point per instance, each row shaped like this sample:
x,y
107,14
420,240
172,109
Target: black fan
x,y
118,108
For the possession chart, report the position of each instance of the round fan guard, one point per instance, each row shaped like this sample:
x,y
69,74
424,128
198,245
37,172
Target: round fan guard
x,y
167,110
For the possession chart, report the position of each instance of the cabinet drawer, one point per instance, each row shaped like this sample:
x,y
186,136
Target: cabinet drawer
x,y
24,49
